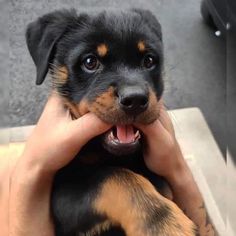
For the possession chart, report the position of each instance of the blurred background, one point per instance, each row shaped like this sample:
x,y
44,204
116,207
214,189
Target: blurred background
x,y
200,64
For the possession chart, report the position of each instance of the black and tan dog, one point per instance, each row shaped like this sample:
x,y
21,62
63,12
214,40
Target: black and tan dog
x,y
110,64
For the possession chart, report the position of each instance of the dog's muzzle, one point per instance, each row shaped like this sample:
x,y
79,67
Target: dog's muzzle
x,y
125,139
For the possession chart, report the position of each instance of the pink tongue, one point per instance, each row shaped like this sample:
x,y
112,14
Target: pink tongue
x,y
125,133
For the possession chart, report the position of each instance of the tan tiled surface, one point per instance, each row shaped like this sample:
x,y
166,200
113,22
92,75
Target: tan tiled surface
x,y
205,160
230,196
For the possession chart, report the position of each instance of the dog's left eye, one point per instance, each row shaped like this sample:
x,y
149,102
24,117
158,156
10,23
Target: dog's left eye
x,y
149,62
90,63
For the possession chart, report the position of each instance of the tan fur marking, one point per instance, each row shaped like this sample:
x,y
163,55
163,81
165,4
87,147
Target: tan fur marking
x,y
152,112
107,98
72,108
141,46
102,50
98,229
103,103
100,106
83,107
115,201
77,110
61,75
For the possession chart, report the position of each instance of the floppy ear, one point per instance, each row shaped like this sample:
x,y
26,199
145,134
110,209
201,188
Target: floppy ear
x,y
150,20
42,36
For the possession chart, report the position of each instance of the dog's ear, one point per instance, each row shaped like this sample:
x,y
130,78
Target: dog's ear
x,y
42,36
150,20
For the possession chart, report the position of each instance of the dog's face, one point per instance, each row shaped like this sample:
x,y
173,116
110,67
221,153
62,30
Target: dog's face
x,y
109,64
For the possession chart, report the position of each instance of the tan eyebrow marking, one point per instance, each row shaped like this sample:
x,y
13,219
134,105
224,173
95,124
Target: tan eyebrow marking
x,y
141,46
102,50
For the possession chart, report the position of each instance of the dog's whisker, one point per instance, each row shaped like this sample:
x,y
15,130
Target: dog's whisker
x,y
53,65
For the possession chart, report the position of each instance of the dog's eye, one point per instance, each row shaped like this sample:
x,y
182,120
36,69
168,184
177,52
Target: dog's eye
x,y
148,62
90,63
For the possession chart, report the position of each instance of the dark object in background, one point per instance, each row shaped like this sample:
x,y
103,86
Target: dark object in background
x,y
221,16
231,79
231,114
214,13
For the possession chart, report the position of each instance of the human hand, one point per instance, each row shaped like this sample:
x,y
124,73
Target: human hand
x,y
54,142
57,138
162,154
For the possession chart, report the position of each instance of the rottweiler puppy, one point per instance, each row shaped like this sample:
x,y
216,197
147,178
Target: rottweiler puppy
x,y
109,63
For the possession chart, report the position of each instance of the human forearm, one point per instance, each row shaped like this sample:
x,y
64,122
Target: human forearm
x,y
188,197
30,201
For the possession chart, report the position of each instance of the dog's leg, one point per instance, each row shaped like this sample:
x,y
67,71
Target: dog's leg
x,y
130,200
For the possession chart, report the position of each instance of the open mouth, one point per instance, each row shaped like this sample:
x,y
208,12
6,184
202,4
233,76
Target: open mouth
x,y
122,140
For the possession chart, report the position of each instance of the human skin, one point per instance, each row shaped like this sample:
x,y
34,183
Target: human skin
x,y
55,141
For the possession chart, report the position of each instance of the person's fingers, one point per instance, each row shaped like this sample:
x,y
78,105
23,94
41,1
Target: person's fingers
x,y
162,124
165,120
87,127
156,129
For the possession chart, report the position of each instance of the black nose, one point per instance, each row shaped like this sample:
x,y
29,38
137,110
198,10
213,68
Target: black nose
x,y
133,100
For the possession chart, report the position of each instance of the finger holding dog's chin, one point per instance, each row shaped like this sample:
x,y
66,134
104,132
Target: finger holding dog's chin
x,y
57,138
161,150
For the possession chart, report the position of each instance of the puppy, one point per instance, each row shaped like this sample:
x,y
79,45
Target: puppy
x,y
110,64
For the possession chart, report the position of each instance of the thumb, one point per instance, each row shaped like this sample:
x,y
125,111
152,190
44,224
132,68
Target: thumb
x,y
154,131
87,127
150,129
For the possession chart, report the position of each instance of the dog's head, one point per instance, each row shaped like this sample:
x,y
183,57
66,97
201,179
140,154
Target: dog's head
x,y
106,63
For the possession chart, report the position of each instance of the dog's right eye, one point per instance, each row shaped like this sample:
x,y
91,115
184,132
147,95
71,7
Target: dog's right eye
x,y
90,64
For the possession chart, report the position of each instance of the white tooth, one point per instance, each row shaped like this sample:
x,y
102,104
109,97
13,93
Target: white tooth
x,y
137,134
112,135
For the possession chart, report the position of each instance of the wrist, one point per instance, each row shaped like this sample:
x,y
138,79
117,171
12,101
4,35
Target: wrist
x,y
37,160
180,177
30,172
30,200
180,174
